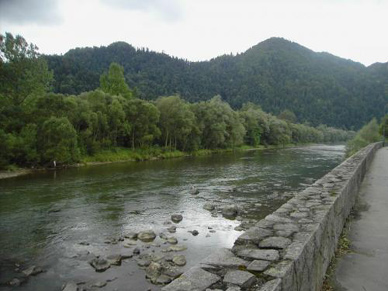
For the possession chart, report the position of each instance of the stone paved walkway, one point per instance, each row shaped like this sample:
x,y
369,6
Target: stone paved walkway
x,y
367,268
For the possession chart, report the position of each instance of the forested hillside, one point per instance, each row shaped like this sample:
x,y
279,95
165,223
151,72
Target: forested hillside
x,y
40,128
276,74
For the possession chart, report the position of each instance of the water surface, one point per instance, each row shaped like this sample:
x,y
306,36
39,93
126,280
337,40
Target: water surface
x,y
51,219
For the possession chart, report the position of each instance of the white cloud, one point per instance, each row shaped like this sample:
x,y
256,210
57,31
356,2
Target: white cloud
x,y
203,29
30,11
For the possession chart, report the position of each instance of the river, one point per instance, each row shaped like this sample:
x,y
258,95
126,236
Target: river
x,y
58,219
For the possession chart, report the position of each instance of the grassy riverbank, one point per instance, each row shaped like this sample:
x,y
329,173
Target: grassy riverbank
x,y
153,153
118,154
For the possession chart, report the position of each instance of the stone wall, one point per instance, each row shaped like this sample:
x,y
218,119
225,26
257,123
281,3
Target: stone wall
x,y
291,248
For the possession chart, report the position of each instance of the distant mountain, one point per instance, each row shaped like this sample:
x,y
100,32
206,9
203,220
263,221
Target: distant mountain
x,y
277,74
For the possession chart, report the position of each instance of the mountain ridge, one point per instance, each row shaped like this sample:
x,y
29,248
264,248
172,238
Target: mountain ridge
x,y
277,74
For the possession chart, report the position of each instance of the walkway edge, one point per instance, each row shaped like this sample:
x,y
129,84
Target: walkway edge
x,y
291,248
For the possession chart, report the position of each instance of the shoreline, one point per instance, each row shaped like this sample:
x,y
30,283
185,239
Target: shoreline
x,y
16,173
25,171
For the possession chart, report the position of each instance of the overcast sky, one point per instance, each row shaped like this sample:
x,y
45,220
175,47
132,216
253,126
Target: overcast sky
x,y
202,29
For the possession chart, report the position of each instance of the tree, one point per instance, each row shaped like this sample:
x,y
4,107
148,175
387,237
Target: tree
x,y
176,121
23,72
114,83
220,126
58,141
288,116
143,117
369,133
384,126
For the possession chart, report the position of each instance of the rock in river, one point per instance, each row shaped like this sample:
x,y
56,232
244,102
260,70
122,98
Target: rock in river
x,y
230,211
209,206
194,191
146,236
172,240
32,271
153,271
194,232
100,265
172,229
179,260
70,286
131,235
176,218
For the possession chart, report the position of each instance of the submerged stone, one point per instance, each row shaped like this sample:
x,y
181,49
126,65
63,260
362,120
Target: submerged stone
x,y
146,236
100,265
176,218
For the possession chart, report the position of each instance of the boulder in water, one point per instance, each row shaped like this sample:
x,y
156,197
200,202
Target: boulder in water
x,y
230,211
100,265
146,236
176,218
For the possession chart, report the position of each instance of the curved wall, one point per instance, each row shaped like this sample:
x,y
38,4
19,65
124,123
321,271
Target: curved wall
x,y
291,248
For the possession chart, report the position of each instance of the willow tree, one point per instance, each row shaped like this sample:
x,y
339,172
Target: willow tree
x,y
176,122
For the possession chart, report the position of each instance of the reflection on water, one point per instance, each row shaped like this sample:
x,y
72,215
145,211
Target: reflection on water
x,y
45,216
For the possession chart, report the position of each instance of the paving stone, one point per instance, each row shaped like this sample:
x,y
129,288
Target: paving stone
x,y
242,279
253,235
293,250
275,242
258,265
258,254
224,258
265,223
193,280
286,226
299,214
273,217
284,233
273,285
280,269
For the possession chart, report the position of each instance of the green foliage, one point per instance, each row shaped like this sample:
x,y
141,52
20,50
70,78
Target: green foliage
x,y
143,117
23,72
277,74
37,127
177,121
383,130
366,135
114,83
58,141
288,115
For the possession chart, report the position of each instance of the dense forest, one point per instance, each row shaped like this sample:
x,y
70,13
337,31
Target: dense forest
x,y
38,127
318,88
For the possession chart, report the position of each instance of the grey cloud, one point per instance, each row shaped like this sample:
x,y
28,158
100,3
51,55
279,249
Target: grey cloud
x,y
30,11
169,10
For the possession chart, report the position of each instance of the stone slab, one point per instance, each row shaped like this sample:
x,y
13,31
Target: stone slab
x,y
258,265
275,242
224,258
195,279
259,254
242,279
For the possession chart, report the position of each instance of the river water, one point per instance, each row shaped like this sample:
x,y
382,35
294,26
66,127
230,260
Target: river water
x,y
57,219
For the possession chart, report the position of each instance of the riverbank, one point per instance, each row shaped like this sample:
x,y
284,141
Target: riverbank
x,y
122,155
84,212
14,173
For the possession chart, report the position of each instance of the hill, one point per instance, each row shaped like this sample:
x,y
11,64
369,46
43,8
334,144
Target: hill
x,y
277,74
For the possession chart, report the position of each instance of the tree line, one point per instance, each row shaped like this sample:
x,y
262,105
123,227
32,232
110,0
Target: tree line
x,y
38,127
277,74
